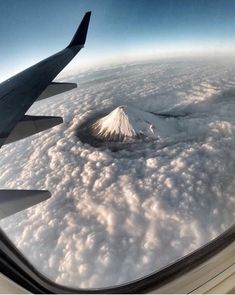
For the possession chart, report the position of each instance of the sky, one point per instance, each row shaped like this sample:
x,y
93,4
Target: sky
x,y
120,30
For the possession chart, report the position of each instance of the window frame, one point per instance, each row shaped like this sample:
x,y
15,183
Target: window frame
x,y
17,268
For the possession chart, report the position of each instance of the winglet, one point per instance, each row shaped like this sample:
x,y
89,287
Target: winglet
x,y
79,38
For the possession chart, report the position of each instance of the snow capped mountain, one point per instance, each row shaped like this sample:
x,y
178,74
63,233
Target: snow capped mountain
x,y
126,123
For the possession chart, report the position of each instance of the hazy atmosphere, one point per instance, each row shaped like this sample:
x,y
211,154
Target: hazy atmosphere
x,y
119,31
122,211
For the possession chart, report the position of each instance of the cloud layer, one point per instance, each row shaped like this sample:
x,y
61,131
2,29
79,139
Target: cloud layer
x,y
115,217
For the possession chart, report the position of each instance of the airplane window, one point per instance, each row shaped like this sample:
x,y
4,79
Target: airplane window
x,y
141,172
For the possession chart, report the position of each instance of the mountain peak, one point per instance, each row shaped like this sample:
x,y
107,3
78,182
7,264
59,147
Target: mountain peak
x,y
124,123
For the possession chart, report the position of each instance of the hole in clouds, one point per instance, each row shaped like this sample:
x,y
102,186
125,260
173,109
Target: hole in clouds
x,y
132,212
127,127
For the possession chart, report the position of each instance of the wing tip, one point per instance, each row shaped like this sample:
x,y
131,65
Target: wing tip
x,y
79,39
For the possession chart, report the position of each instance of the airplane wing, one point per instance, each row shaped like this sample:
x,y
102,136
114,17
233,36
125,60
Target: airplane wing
x,y
56,88
18,93
13,201
30,125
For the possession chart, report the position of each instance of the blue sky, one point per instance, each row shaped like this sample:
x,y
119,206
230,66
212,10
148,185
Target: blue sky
x,y
31,30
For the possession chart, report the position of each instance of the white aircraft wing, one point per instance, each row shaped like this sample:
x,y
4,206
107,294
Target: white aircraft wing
x,y
18,93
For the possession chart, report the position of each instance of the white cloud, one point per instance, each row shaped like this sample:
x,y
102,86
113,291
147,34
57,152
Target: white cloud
x,y
114,217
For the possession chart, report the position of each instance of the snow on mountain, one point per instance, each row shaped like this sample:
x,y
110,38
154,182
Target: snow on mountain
x,y
125,123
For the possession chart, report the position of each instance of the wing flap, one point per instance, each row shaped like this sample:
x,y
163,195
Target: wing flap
x,y
56,88
31,125
13,201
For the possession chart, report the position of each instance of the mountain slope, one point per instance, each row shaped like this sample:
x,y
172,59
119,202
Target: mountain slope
x,y
125,123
